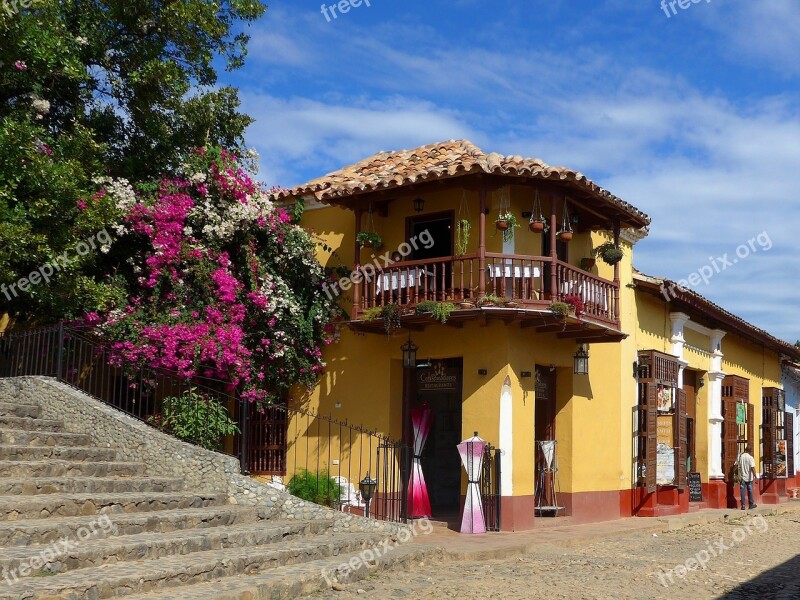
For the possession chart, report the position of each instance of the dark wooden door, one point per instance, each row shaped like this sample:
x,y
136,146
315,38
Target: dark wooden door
x,y
545,410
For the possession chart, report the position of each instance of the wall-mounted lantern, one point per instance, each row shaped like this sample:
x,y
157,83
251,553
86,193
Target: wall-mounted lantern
x,y
419,205
582,361
409,353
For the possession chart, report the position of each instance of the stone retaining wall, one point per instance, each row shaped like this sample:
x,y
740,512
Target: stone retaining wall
x,y
165,456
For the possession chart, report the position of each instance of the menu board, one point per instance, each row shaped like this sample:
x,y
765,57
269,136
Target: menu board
x,y
695,487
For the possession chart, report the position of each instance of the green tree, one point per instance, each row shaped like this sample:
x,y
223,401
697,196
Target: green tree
x,y
90,88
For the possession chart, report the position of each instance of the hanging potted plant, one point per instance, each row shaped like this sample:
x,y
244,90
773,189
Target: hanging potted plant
x,y
609,253
588,263
565,233
369,239
506,222
537,224
463,228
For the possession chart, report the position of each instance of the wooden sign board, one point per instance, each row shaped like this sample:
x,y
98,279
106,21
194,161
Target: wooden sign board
x,y
437,379
695,487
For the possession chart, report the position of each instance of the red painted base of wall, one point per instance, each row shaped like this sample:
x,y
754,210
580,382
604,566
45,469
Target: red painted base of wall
x,y
773,491
517,513
726,495
665,502
591,507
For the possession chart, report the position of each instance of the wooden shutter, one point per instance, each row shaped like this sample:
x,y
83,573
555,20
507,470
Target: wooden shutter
x,y
751,427
768,438
730,432
789,423
681,440
650,401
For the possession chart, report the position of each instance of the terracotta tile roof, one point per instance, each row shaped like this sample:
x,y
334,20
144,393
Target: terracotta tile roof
x,y
387,170
716,313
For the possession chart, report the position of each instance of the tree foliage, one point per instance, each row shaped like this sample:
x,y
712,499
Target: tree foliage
x,y
93,88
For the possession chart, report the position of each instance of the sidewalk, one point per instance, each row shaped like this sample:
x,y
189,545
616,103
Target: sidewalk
x,y
488,546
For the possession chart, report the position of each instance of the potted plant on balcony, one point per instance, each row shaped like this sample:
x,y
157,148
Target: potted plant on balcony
x,y
609,252
369,239
537,223
588,263
506,222
575,303
565,233
560,309
488,300
439,311
463,228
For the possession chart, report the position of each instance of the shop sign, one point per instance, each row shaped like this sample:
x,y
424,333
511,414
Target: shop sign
x,y
437,378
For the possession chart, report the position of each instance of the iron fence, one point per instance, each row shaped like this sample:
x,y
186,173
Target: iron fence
x,y
316,456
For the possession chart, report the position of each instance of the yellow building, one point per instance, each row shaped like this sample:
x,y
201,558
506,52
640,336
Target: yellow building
x,y
502,320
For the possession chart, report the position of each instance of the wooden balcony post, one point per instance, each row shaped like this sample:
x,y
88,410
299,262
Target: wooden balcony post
x,y
482,245
553,247
357,266
616,272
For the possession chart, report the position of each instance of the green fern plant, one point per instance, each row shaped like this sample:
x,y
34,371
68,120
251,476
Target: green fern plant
x,y
438,310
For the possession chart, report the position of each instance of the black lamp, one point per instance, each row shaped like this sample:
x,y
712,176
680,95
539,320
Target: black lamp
x,y
409,353
582,361
419,205
367,488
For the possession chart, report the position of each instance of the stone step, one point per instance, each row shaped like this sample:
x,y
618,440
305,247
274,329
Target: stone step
x,y
17,437
68,468
123,578
72,505
12,409
105,547
75,453
296,580
29,424
32,486
47,531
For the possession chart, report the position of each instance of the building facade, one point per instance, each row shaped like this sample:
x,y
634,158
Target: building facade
x,y
502,317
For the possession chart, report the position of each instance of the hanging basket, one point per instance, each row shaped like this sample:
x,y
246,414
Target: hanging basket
x,y
565,236
502,224
536,226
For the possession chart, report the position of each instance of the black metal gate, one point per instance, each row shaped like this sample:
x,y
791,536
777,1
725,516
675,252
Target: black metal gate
x,y
490,487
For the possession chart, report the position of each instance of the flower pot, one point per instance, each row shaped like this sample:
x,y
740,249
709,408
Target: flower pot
x,y
367,244
512,304
588,263
565,236
465,305
536,226
501,225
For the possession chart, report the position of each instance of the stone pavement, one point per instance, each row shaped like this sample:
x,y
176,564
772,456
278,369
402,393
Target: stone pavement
x,y
710,554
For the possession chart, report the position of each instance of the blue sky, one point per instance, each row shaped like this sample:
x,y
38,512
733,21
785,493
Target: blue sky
x,y
694,118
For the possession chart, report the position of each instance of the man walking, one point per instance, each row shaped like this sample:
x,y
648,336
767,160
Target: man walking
x,y
747,473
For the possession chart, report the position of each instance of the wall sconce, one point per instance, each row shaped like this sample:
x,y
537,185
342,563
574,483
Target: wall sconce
x,y
483,372
419,205
701,382
636,369
582,361
525,374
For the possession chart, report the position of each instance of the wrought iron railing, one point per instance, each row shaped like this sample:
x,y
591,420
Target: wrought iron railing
x,y
277,441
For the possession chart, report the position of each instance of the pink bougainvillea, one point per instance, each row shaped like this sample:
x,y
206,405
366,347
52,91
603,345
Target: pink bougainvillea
x,y
226,286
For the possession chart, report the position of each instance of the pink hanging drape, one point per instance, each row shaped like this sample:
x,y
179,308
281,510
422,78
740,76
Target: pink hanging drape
x,y
471,452
419,504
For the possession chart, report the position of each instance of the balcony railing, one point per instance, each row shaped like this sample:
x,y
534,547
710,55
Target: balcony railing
x,y
533,282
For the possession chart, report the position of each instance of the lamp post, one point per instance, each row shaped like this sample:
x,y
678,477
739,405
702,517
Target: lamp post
x,y
582,361
367,488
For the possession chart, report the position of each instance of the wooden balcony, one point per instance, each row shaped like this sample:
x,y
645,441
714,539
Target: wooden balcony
x,y
526,285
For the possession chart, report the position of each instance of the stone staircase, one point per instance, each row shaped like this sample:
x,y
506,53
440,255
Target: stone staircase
x,y
81,522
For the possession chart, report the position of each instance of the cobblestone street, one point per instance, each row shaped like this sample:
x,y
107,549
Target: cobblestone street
x,y
747,557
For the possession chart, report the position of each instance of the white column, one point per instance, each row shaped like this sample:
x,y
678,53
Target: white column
x,y
679,321
506,438
715,377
